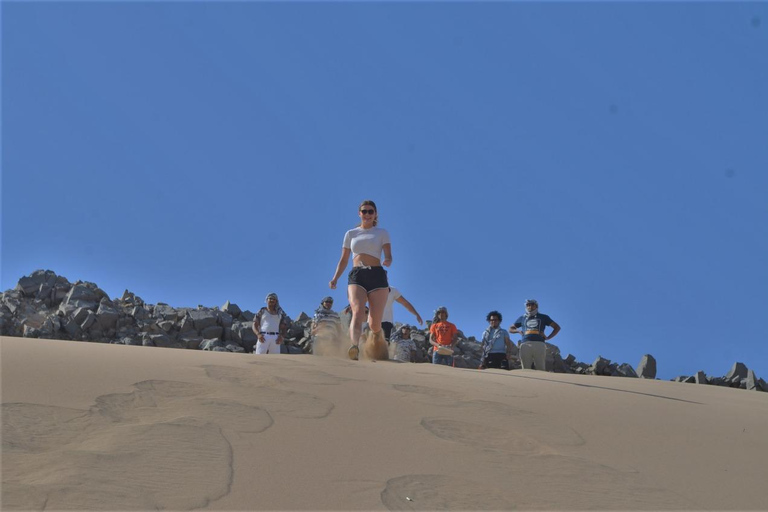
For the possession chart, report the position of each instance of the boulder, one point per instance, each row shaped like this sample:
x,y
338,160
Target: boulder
x,y
82,296
202,318
231,309
107,315
626,370
31,332
737,372
31,285
600,366
212,332
701,378
232,347
165,312
213,344
90,319
752,381
191,340
187,325
224,319
647,367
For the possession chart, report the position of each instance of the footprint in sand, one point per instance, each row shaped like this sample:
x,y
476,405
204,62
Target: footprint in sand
x,y
441,492
268,393
484,437
85,461
143,450
543,430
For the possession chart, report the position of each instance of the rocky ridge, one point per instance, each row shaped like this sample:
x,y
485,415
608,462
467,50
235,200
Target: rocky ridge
x,y
46,305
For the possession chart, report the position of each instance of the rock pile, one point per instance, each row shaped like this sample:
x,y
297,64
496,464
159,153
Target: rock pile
x,y
45,305
738,377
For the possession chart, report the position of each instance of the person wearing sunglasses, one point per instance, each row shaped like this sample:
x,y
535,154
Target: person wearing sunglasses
x,y
496,343
367,281
533,350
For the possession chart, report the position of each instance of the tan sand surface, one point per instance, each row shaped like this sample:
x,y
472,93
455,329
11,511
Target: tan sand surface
x,y
108,427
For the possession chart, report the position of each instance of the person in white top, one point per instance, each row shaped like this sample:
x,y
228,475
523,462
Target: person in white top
x,y
367,281
388,319
270,325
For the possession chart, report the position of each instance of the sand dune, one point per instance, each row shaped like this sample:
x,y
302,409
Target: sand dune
x,y
110,427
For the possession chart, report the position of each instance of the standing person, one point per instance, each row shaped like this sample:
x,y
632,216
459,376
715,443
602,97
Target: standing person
x,y
495,342
443,336
270,324
533,349
326,322
367,281
405,347
388,320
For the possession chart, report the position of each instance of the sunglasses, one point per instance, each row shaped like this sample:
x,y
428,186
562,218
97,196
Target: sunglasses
x,y
367,212
493,320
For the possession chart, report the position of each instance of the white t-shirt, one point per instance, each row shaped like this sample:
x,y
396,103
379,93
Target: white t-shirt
x,y
389,315
366,241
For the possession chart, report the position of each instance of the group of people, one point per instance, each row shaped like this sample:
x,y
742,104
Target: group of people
x,y
371,301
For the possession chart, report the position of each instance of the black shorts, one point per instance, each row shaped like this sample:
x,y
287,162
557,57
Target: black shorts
x,y
370,278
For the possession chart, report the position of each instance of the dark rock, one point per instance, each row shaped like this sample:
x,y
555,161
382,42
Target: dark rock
x,y
90,319
737,372
107,315
212,332
626,370
31,332
224,319
213,344
701,378
751,384
80,315
165,312
600,366
231,309
202,318
647,367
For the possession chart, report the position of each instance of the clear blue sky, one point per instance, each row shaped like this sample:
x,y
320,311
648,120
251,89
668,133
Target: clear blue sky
x,y
608,159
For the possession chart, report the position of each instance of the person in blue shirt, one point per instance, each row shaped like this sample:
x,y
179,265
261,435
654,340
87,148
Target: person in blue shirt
x,y
533,350
495,343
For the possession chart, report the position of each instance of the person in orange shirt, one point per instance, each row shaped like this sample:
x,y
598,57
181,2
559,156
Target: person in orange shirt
x,y
443,336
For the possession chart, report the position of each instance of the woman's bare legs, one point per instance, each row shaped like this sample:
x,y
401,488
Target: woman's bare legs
x,y
377,301
357,299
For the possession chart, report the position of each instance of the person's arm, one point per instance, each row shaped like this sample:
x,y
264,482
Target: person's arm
x,y
387,254
514,328
343,261
257,326
508,341
432,339
455,338
402,300
556,329
284,324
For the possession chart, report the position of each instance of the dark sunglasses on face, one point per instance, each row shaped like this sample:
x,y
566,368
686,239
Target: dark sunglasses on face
x,y
367,212
493,320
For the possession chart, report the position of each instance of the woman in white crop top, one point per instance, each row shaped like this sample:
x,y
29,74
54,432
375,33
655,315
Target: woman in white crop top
x,y
367,280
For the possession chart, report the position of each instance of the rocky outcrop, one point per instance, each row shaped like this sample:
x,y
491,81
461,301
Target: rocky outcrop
x,y
739,376
45,305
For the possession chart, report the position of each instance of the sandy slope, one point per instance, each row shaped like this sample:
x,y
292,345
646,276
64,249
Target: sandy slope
x,y
105,427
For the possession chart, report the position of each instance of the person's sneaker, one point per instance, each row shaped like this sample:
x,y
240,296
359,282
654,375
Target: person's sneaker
x,y
353,352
